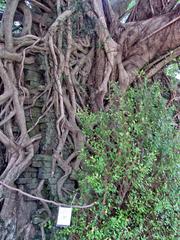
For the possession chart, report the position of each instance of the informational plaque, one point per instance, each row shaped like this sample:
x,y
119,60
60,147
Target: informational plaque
x,y
64,217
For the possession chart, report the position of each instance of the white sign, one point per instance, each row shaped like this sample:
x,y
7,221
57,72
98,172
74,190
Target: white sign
x,y
64,217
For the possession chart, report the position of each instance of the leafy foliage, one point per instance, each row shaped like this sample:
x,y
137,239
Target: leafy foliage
x,y
132,172
2,4
173,71
132,4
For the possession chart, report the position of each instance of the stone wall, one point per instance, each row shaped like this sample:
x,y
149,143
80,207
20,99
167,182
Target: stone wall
x,y
31,211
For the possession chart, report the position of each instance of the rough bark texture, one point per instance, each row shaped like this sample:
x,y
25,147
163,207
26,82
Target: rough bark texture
x,y
62,59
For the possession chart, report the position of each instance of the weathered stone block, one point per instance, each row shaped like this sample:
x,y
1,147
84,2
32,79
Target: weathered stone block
x,y
30,174
53,190
32,169
32,186
47,165
34,77
42,157
23,180
36,164
43,175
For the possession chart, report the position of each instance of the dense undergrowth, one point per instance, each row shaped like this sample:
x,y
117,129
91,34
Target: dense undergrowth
x,y
130,168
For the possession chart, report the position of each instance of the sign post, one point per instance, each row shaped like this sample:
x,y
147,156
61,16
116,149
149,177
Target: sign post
x,y
64,217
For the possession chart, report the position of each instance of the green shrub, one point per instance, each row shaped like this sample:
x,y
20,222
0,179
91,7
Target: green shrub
x,y
130,168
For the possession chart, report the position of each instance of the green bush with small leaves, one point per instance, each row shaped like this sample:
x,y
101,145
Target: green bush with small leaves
x,y
2,4
130,169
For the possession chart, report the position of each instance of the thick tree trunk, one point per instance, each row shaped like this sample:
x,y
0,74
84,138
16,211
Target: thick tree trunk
x,y
134,46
